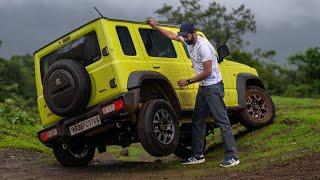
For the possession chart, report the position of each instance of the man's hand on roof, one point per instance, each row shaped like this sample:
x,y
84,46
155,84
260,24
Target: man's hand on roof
x,y
152,22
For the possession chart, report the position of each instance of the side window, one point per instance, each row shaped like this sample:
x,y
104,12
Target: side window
x,y
156,44
126,41
85,49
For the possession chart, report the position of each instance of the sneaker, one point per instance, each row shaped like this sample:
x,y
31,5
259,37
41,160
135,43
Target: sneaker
x,y
230,162
194,160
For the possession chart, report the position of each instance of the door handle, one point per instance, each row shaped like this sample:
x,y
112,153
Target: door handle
x,y
156,66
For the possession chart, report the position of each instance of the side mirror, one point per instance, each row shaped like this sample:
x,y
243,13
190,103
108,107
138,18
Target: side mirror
x,y
223,51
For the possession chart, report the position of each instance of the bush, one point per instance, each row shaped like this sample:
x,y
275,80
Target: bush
x,y
301,91
15,113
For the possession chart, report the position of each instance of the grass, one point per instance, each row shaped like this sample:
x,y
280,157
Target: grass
x,y
294,134
20,137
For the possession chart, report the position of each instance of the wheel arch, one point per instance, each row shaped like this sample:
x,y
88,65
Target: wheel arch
x,y
244,80
138,79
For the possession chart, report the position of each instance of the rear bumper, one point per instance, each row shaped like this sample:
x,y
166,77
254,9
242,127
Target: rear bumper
x,y
61,128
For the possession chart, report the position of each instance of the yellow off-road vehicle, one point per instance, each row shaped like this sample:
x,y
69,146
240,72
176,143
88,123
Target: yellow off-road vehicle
x,y
114,82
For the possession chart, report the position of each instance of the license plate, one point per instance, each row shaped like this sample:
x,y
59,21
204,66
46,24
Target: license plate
x,y
85,125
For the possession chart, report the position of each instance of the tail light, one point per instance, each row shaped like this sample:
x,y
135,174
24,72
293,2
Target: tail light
x,y
115,106
44,136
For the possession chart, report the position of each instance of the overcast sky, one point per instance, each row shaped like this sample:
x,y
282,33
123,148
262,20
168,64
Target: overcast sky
x,y
25,25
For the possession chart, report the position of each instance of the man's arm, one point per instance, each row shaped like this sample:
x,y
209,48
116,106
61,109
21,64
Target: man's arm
x,y
169,34
207,59
207,71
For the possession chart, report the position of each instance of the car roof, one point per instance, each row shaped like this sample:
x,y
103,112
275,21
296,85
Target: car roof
x,y
97,19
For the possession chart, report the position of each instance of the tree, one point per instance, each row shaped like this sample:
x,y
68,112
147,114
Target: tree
x,y
273,76
307,63
219,25
20,70
6,89
307,74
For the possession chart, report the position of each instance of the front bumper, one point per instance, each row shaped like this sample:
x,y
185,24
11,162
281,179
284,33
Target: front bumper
x,y
60,130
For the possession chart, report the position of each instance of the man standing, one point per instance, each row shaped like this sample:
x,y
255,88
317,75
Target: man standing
x,y
210,93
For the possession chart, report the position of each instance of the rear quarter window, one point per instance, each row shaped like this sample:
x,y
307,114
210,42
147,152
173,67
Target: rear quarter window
x,y
126,41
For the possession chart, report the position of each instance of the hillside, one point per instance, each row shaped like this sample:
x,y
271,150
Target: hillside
x,y
293,140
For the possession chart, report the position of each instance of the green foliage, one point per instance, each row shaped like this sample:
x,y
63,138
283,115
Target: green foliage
x,y
301,81
6,89
17,112
271,74
306,80
308,63
20,70
224,26
21,136
17,77
1,43
218,24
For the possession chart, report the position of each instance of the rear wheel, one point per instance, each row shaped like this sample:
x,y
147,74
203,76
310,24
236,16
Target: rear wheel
x,y
74,155
260,109
158,128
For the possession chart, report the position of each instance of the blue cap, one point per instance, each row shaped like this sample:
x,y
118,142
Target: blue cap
x,y
186,28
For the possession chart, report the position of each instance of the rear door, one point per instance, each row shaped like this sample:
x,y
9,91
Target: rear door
x,y
84,45
126,51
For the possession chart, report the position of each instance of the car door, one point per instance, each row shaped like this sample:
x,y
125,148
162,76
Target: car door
x,y
164,56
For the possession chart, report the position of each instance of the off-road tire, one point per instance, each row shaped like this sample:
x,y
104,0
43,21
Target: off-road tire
x,y
147,131
67,87
260,110
66,157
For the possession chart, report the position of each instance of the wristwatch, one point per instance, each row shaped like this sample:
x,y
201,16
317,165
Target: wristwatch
x,y
189,81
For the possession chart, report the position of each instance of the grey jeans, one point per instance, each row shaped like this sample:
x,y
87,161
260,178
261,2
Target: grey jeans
x,y
210,99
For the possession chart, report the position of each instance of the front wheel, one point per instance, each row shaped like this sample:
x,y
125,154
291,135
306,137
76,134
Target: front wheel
x,y
260,110
158,128
74,155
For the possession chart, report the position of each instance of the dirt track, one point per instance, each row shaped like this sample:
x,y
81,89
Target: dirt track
x,y
17,164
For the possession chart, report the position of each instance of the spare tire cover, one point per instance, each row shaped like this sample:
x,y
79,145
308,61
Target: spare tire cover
x,y
67,87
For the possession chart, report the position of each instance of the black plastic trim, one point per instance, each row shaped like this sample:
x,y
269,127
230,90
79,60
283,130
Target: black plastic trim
x,y
241,86
136,79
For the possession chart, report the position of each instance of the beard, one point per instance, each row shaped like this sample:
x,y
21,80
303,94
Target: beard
x,y
192,41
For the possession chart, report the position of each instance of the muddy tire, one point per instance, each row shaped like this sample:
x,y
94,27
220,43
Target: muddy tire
x,y
75,155
158,128
260,110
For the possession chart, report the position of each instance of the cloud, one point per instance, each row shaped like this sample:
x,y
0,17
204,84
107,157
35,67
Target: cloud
x,y
26,25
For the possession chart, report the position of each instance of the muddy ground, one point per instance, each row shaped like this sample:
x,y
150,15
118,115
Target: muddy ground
x,y
18,164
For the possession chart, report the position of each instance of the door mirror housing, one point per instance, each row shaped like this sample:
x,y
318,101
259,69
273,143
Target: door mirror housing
x,y
223,51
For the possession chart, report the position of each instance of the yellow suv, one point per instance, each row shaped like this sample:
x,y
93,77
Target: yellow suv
x,y
114,82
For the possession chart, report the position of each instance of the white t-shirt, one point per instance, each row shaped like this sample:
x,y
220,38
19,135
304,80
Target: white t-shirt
x,y
201,52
